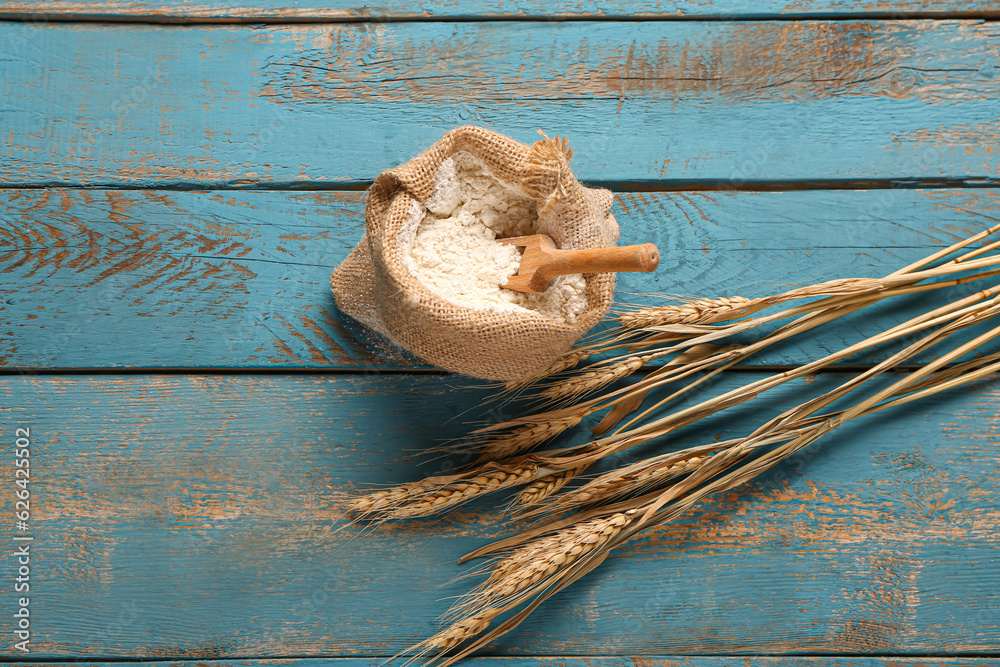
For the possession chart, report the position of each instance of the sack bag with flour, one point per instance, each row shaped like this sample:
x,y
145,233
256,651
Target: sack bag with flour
x,y
427,272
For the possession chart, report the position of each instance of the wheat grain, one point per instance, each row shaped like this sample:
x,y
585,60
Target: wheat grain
x,y
613,484
458,632
455,493
546,556
425,498
680,366
532,568
697,311
526,437
591,380
565,362
569,360
541,558
386,499
543,487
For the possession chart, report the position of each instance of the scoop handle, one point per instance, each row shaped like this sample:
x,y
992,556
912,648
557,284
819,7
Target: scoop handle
x,y
643,258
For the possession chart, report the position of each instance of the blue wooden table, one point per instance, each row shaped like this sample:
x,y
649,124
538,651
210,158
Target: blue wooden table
x,y
177,181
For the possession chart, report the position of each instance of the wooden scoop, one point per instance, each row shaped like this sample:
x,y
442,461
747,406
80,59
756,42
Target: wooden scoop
x,y
542,261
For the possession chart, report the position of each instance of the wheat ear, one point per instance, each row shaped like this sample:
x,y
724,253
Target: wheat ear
x,y
590,380
517,575
458,632
543,487
429,496
613,485
711,311
565,362
524,438
696,311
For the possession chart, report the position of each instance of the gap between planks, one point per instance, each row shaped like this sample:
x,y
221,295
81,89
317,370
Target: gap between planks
x,y
971,182
959,658
340,16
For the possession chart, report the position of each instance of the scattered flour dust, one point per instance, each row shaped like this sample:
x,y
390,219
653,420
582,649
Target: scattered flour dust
x,y
455,251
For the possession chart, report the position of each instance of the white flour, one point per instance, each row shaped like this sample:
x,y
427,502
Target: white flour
x,y
456,254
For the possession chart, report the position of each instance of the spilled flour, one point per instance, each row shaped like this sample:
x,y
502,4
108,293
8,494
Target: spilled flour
x,y
456,254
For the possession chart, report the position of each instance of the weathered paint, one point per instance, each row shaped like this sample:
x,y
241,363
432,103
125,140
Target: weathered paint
x,y
666,103
592,661
157,279
193,517
338,10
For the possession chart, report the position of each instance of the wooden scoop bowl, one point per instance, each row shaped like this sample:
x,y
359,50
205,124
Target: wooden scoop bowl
x,y
542,261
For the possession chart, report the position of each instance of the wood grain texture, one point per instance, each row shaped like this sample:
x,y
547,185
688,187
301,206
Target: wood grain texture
x,y
243,276
661,103
591,661
338,10
155,279
191,517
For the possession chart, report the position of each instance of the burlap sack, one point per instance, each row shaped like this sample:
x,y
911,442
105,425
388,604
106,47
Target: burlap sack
x,y
374,285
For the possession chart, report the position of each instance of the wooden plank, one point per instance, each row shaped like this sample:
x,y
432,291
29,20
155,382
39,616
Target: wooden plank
x,y
178,279
191,517
596,661
662,103
339,10
156,279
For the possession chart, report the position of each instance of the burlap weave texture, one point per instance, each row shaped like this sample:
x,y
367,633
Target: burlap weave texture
x,y
375,286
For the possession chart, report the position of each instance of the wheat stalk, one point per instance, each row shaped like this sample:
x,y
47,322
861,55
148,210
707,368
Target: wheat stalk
x,y
859,293
676,420
831,309
538,569
954,317
546,559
